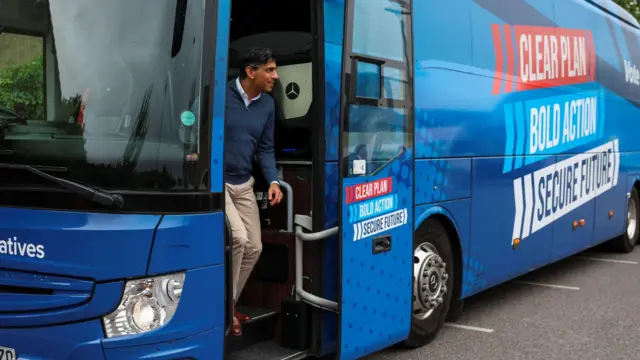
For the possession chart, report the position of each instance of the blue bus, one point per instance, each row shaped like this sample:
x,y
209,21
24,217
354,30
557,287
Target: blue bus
x,y
428,150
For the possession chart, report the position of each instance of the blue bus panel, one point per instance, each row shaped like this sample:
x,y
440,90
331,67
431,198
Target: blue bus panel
x,y
528,108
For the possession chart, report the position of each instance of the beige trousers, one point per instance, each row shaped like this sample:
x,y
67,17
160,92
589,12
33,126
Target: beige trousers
x,y
242,210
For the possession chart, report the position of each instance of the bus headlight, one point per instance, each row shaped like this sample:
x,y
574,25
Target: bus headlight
x,y
147,304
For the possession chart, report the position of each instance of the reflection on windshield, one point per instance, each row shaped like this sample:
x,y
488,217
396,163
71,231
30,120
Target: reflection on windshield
x,y
107,89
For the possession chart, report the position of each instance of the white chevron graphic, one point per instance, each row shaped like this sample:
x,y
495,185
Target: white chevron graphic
x,y
546,195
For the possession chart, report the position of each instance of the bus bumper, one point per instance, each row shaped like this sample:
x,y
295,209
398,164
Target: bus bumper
x,y
70,341
208,345
82,341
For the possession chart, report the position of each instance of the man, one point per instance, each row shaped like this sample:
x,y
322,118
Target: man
x,y
249,123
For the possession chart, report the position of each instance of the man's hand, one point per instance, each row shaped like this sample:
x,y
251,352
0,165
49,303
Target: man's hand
x,y
275,195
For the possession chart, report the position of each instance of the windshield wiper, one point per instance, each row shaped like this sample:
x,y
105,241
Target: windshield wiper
x,y
96,195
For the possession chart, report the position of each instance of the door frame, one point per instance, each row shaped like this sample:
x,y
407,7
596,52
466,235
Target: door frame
x,y
318,168
213,95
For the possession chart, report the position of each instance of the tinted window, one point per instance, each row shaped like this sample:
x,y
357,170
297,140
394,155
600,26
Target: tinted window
x,y
109,91
378,125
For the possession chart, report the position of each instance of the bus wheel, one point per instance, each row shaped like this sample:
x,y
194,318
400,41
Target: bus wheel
x,y
432,282
629,239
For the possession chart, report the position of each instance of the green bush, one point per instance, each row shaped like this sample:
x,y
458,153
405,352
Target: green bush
x,y
22,84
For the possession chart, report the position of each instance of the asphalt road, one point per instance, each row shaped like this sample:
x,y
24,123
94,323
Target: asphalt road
x,y
591,311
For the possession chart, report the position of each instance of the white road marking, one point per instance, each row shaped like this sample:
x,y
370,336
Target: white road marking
x,y
467,327
628,262
564,287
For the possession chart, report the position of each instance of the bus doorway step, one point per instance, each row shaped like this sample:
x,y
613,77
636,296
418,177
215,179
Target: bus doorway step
x,y
258,330
267,350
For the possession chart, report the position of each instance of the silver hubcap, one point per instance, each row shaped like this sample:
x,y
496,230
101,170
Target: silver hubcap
x,y
430,280
632,218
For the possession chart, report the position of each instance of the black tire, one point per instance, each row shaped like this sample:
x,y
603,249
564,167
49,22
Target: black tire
x,y
424,331
624,243
455,311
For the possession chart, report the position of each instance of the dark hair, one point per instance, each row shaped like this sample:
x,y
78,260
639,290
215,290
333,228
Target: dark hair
x,y
254,57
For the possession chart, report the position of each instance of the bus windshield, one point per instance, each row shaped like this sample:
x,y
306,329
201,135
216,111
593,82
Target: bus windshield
x,y
105,92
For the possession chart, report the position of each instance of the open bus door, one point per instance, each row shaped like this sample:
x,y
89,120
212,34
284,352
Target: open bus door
x,y
376,177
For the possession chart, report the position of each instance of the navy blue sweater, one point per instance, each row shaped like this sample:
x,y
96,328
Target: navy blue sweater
x,y
248,132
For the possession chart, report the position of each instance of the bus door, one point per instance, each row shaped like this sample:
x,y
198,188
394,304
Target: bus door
x,y
376,177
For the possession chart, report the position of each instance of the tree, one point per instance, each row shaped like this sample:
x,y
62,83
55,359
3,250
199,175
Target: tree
x,y
22,84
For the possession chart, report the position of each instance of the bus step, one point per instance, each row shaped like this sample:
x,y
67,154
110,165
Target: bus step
x,y
267,350
257,330
256,314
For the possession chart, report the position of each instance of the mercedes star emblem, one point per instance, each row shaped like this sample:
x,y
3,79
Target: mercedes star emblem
x,y
292,91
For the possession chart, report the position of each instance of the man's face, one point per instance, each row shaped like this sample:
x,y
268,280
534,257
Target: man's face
x,y
265,76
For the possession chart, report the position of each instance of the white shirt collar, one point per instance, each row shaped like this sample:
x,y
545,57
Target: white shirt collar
x,y
244,95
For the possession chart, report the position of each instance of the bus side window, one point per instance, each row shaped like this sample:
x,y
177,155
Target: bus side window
x,y
378,125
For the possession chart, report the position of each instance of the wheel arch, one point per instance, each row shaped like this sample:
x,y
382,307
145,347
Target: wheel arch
x,y
447,219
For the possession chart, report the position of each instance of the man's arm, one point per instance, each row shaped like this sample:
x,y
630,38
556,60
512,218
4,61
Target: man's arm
x,y
265,153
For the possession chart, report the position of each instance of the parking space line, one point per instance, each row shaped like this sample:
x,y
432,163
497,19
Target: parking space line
x,y
627,262
467,327
564,287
